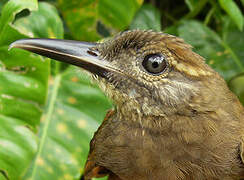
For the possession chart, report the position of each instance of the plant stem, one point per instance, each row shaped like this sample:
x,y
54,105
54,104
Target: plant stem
x,y
196,10
209,15
171,18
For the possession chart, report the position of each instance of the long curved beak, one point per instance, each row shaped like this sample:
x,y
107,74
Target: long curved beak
x,y
77,53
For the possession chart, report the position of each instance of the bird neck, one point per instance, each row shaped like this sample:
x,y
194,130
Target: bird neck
x,y
190,126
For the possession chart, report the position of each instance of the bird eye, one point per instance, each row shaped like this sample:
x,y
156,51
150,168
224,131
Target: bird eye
x,y
154,63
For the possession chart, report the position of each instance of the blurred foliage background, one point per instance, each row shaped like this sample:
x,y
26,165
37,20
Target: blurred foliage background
x,y
49,111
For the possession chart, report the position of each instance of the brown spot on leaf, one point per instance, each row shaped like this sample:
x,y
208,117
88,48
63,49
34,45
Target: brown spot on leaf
x,y
72,100
74,79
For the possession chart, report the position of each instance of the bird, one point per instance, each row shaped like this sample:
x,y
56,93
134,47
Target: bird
x,y
174,117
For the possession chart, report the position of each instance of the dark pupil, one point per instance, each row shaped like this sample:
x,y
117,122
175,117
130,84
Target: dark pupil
x,y
154,63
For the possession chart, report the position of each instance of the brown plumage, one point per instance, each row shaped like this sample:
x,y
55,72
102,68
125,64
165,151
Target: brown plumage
x,y
174,116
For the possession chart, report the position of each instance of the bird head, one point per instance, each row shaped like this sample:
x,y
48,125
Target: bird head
x,y
148,72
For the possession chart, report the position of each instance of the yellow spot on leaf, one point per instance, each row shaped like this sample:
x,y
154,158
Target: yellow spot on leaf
x,y
78,150
2,144
211,61
62,128
74,161
49,169
60,111
27,84
226,52
69,136
81,170
81,123
68,177
50,157
40,161
72,100
139,2
63,167
57,150
50,33
219,53
74,79
50,82
43,118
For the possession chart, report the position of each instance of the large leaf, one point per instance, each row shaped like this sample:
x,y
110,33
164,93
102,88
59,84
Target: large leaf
x,y
86,19
234,12
148,17
218,53
75,109
22,93
73,112
64,138
23,88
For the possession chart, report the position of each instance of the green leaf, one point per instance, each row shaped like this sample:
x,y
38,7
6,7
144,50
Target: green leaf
x,y
17,146
44,23
81,18
7,33
237,86
23,88
233,11
234,38
218,53
242,1
22,93
148,17
84,17
118,14
23,85
69,121
75,109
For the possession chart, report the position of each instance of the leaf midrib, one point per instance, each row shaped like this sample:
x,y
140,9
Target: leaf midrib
x,y
50,109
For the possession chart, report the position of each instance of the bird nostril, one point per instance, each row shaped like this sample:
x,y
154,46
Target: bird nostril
x,y
91,53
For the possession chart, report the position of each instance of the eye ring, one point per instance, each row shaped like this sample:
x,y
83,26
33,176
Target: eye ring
x,y
155,64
